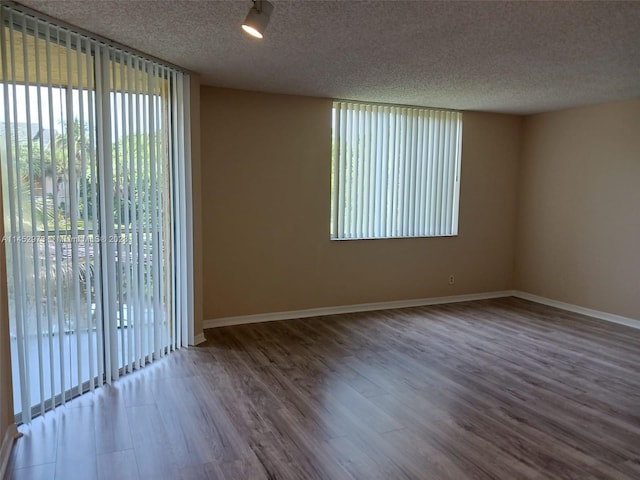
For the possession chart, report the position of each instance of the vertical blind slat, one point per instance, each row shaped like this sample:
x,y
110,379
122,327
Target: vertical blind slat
x,y
29,190
98,309
90,261
145,224
127,351
16,229
57,150
45,222
176,127
155,246
340,171
118,132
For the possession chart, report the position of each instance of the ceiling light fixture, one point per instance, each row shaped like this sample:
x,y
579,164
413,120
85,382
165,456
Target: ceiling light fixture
x,y
257,18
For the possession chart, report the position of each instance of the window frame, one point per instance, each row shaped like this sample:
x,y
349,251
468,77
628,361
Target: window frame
x,y
395,171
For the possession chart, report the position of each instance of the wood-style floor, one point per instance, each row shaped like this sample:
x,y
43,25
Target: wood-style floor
x,y
501,389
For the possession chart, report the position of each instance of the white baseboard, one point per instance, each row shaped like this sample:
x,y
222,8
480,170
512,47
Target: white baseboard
x,y
367,307
362,307
199,338
609,317
5,451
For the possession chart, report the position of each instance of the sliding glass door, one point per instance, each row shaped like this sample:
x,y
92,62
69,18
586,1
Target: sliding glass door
x,y
92,160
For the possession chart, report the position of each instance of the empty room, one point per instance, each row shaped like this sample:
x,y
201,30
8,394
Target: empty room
x,y
319,239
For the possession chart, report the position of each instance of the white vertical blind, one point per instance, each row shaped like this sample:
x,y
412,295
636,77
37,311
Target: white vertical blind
x,y
395,171
96,192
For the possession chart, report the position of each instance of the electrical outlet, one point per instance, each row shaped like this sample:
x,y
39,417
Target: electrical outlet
x,y
452,279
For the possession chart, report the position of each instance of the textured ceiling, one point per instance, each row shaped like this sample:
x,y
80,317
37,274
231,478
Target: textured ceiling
x,y
516,57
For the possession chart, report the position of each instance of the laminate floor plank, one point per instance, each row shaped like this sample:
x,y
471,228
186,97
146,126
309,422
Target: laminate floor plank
x,y
452,440
76,452
111,420
366,462
121,465
153,450
492,389
38,444
250,407
44,471
555,417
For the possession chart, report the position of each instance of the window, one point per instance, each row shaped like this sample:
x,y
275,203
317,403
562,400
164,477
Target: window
x,y
94,178
395,171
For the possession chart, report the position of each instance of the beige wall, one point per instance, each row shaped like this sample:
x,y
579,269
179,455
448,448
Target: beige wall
x,y
265,192
578,235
